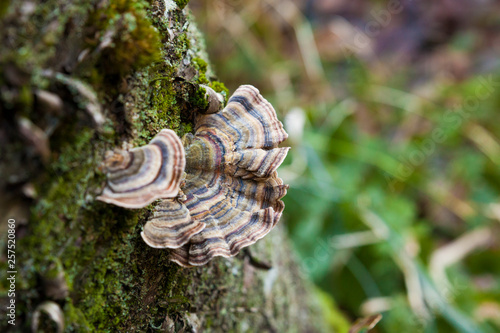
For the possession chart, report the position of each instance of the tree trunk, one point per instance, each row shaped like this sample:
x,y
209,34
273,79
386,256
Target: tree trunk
x,y
78,78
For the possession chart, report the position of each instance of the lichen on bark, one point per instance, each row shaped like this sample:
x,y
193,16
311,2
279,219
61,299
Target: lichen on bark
x,y
142,62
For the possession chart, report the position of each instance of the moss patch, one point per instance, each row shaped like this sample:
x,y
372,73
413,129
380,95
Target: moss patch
x,y
201,66
121,38
198,99
181,3
220,88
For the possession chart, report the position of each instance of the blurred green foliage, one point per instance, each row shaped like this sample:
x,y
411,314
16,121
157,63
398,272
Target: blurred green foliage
x,y
394,200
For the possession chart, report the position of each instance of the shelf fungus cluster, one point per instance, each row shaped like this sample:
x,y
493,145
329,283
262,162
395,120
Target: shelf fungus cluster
x,y
229,195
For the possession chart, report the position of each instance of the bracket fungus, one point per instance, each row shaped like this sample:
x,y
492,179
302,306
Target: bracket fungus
x,y
229,195
138,177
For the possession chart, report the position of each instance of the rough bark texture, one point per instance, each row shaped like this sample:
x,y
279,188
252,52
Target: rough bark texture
x,y
138,63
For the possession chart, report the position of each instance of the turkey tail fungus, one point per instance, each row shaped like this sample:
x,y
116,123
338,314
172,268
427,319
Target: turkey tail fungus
x,y
230,196
138,177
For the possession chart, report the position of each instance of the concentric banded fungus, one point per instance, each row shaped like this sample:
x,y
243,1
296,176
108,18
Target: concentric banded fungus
x,y
232,185
139,176
231,194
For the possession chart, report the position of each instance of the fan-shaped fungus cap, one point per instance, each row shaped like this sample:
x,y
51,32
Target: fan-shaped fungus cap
x,y
232,186
139,176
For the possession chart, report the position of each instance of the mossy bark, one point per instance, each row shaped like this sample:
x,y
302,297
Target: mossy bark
x,y
78,78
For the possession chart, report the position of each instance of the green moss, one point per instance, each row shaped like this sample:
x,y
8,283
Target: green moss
x,y
186,128
108,271
202,78
4,6
63,192
201,66
220,88
162,109
54,269
198,99
183,44
181,3
134,43
74,319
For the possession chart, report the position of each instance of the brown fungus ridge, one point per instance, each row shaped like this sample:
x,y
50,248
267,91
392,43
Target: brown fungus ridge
x,y
232,186
138,177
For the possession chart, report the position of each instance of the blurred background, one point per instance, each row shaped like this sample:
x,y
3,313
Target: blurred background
x,y
394,172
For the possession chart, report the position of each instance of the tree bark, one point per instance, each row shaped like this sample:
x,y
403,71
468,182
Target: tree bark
x,y
79,78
